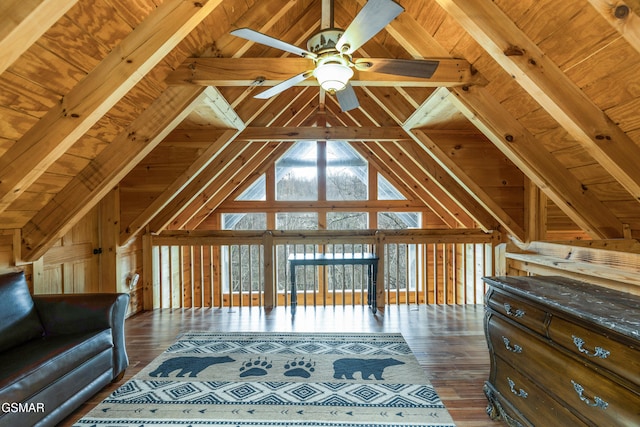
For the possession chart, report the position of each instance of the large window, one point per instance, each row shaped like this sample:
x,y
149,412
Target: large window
x,y
319,185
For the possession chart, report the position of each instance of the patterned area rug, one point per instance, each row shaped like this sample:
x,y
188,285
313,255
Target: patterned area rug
x,y
277,379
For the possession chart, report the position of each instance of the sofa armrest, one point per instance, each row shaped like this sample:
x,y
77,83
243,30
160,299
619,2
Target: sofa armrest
x,y
76,313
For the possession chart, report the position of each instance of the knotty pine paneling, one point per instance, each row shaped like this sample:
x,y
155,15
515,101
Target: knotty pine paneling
x,y
6,251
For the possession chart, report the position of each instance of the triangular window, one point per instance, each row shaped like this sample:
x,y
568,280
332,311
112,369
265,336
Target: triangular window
x,y
387,191
256,191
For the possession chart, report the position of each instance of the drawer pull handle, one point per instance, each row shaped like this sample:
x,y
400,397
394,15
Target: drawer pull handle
x,y
595,403
520,393
598,351
514,349
517,313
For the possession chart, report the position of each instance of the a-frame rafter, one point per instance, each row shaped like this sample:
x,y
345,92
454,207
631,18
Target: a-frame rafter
x,y
106,170
551,88
93,96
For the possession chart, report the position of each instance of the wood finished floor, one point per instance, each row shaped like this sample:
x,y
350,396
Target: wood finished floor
x,y
448,341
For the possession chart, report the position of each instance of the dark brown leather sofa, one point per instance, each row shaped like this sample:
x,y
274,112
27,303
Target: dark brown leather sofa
x,y
56,351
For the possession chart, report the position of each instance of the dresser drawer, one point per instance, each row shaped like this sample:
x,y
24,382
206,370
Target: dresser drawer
x,y
518,310
615,356
530,400
595,397
512,343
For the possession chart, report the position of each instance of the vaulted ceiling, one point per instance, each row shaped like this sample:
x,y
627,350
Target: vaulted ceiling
x,y
533,113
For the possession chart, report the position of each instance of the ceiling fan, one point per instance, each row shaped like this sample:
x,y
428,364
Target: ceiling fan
x,y
331,50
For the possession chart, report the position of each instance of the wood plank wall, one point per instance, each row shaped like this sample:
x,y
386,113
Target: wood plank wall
x,y
82,261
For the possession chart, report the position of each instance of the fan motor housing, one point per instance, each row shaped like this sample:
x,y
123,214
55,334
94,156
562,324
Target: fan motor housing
x,y
324,41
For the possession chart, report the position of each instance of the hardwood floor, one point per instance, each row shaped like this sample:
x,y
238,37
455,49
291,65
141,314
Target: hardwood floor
x,y
448,341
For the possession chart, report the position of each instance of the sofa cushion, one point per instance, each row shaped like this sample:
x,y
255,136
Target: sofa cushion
x,y
32,366
19,321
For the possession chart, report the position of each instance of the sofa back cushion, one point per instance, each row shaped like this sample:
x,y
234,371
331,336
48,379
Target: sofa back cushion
x,y
19,321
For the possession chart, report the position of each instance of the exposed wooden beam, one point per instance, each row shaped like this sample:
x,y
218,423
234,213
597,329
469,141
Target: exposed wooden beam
x,y
96,94
88,187
551,88
522,148
325,205
22,22
621,17
137,224
271,71
323,133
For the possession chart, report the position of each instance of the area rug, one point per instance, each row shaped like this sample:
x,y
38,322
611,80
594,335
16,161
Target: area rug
x,y
277,379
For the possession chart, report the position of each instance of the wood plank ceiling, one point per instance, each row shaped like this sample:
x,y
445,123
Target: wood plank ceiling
x,y
532,115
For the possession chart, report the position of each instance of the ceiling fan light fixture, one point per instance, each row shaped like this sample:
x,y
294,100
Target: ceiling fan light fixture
x,y
333,76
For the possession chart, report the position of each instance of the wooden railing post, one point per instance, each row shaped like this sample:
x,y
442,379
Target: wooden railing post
x,y
269,286
380,293
147,272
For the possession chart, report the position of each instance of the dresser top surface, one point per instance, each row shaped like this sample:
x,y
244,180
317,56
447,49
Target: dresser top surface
x,y
608,308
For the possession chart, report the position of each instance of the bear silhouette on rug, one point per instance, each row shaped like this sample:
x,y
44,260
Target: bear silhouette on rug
x,y
187,365
367,367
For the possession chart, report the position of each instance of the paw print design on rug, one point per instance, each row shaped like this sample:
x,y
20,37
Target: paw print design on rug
x,y
299,368
255,368
187,365
367,367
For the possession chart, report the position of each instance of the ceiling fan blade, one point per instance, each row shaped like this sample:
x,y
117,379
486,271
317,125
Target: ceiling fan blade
x,y
372,18
421,68
347,98
258,37
281,87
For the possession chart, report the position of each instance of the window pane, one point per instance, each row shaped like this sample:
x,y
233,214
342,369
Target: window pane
x,y
297,221
256,191
347,172
347,220
296,173
244,221
387,191
399,220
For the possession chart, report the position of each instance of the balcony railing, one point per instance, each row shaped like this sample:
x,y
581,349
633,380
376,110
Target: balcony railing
x,y
249,268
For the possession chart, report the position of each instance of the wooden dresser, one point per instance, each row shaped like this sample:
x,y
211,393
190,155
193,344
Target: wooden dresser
x,y
563,353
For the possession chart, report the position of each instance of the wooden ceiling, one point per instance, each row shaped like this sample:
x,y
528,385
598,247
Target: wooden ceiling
x,y
532,115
